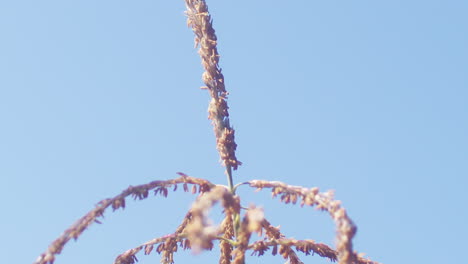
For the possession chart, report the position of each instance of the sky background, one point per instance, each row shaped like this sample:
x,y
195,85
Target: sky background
x,y
368,98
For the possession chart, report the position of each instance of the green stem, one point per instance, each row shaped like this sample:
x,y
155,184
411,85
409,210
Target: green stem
x,y
232,242
239,184
229,179
235,217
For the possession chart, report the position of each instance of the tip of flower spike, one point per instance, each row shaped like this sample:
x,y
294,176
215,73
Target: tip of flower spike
x,y
182,174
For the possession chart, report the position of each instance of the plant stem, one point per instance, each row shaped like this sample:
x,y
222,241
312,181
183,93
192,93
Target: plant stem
x,y
229,179
236,216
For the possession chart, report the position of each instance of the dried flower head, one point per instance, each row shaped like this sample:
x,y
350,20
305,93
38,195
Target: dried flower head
x,y
197,231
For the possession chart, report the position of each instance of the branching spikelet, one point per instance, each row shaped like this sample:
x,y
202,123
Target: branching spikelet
x,y
274,234
308,247
324,201
199,230
167,246
137,192
200,20
196,231
166,249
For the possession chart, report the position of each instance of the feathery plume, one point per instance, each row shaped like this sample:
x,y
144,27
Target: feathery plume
x,y
323,201
200,20
139,192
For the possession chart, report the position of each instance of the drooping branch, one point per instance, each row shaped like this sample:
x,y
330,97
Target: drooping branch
x,y
274,234
139,192
167,247
324,201
308,247
196,231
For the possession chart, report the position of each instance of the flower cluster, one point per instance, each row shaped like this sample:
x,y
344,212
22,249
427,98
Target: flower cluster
x,y
199,19
323,201
139,192
197,232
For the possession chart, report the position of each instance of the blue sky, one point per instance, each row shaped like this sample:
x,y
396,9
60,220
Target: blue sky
x,y
368,98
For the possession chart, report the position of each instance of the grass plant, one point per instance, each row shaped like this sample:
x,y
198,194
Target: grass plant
x,y
233,235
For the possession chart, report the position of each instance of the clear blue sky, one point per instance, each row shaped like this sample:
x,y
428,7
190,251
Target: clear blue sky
x,y
368,98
